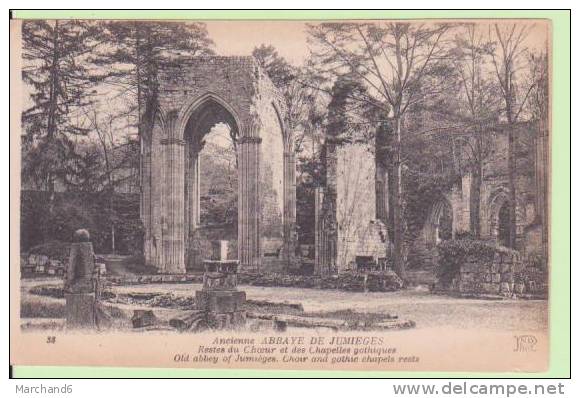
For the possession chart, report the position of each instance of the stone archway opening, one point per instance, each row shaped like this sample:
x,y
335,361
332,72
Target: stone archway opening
x,y
499,217
197,97
211,183
439,225
503,225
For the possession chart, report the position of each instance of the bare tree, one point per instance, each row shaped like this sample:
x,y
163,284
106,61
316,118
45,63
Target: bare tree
x,y
393,59
479,94
104,125
508,56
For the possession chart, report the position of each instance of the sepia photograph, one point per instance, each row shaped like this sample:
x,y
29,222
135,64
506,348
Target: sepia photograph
x,y
267,194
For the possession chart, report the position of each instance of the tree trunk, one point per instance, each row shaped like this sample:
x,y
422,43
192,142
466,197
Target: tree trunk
x,y
511,161
392,184
113,238
476,182
475,221
512,185
51,120
398,260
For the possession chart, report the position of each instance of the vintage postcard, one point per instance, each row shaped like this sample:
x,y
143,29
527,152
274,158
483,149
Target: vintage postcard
x,y
315,195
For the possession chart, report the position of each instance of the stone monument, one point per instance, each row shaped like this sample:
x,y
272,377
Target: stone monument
x,y
219,297
81,285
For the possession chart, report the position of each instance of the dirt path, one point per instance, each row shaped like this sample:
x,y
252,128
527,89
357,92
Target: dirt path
x,y
426,309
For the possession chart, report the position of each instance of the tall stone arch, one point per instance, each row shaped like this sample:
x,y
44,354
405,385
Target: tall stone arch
x,y
193,96
431,229
496,201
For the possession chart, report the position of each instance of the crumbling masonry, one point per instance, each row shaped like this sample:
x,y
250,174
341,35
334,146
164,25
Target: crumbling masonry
x,y
352,209
193,96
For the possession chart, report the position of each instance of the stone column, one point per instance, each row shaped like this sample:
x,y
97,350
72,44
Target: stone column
x,y
460,204
81,284
289,206
318,233
173,207
192,207
145,202
249,203
542,173
381,193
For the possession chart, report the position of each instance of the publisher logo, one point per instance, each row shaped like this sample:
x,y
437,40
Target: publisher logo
x,y
525,343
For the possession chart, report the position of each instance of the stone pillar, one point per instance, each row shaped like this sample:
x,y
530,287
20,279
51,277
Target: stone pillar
x,y
81,284
192,207
289,206
219,250
318,233
173,207
542,173
460,205
152,174
381,193
249,203
145,202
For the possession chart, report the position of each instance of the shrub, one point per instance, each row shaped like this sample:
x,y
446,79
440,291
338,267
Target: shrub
x,y
54,249
454,253
537,260
44,221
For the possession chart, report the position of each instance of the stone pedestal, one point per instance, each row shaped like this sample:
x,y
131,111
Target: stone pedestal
x,y
219,298
80,310
224,308
81,284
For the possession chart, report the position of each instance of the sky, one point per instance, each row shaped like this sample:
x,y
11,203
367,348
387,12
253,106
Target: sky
x,y
290,37
240,37
290,40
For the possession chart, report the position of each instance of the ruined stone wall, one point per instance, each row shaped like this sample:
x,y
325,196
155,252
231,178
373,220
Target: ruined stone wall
x,y
495,188
240,92
506,273
234,79
359,233
356,200
495,276
271,179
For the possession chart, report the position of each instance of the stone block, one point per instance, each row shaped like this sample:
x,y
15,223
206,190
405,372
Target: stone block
x,y
466,286
219,250
519,288
55,263
505,267
468,276
504,287
490,287
219,281
143,318
226,320
494,288
80,310
219,301
471,266
507,277
496,277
